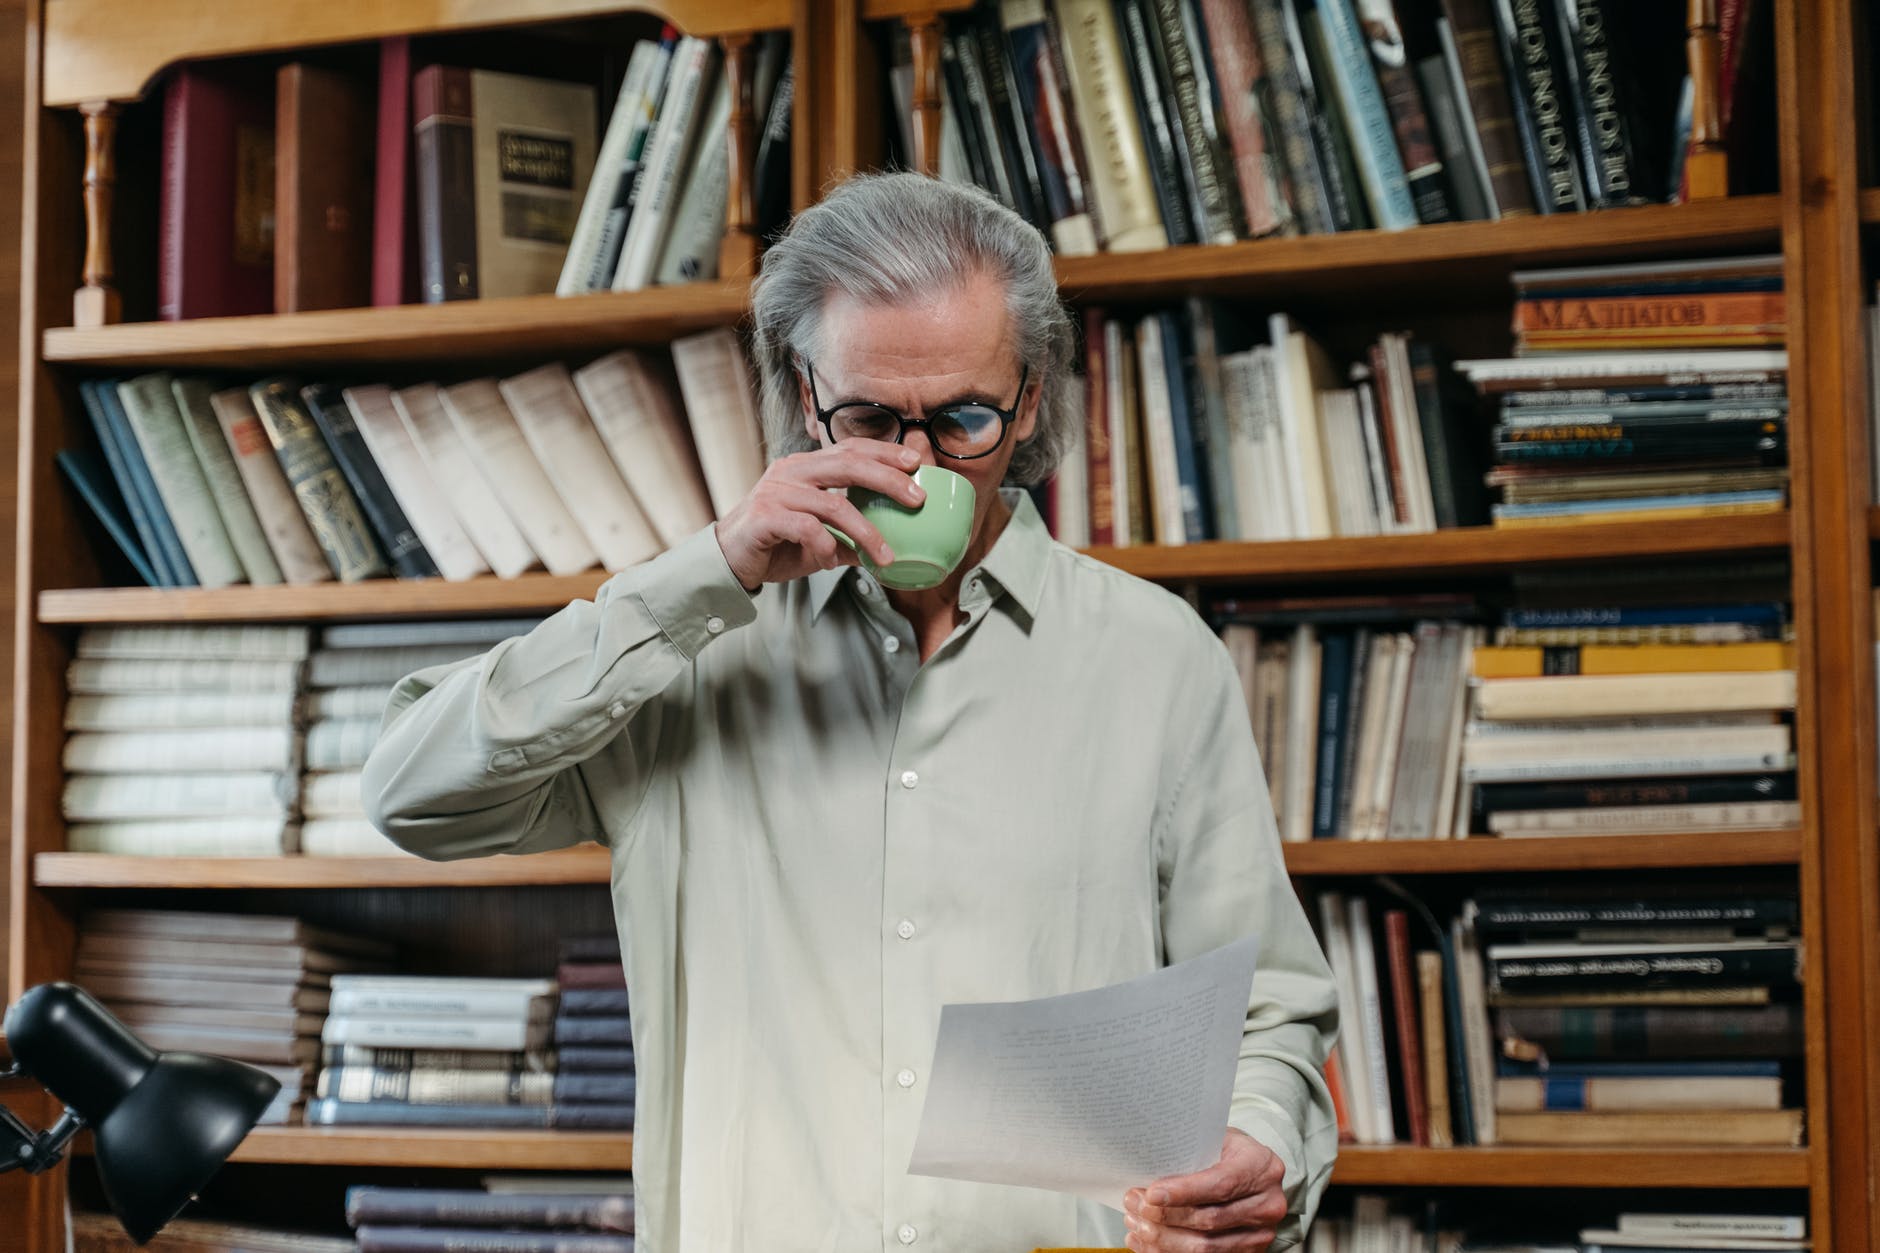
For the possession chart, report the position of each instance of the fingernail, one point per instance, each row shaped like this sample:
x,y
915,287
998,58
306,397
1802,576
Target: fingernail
x,y
909,457
1159,1197
918,493
884,555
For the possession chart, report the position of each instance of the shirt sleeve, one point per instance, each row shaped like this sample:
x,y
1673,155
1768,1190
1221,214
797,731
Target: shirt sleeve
x,y
483,756
1222,878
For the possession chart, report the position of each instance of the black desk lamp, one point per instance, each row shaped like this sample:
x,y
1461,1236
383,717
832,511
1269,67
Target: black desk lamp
x,y
162,1123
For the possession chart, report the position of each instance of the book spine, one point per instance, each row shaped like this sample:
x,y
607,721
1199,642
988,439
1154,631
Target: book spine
x,y
771,177
598,1087
1582,794
1541,106
1160,138
431,1033
1373,140
283,524
453,1207
1644,968
617,1031
501,453
595,1057
1239,77
436,1087
694,67
1471,27
446,183
394,251
1600,116
1038,103
373,1057
442,537
1331,129
325,1112
1334,711
1008,123
225,482
594,1002
1423,167
1283,98
690,251
398,541
1455,139
332,511
1119,165
372,1238
150,409
1097,440
1634,1033
1404,1022
608,182
424,1003
130,480
89,479
1188,85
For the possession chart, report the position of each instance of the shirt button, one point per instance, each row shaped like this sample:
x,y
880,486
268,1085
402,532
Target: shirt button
x,y
909,779
905,1078
907,1235
617,710
905,930
714,624
890,645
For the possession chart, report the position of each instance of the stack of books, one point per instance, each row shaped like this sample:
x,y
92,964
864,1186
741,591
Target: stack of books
x,y
1371,1220
606,465
251,987
1357,706
1633,718
1374,1221
547,1214
350,677
1699,1233
593,1032
1204,424
461,180
1136,125
1656,1016
1642,392
182,740
447,1051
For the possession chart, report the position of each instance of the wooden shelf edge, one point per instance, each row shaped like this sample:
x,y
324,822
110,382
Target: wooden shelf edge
x,y
467,1147
1469,550
1577,852
1602,1167
1372,255
499,328
103,870
1465,550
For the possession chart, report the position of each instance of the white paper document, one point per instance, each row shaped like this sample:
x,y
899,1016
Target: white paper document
x,y
1095,1092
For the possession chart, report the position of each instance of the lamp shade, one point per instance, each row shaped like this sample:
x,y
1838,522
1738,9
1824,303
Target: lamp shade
x,y
162,1123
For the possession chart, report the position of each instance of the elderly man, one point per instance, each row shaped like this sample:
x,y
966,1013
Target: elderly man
x,y
834,807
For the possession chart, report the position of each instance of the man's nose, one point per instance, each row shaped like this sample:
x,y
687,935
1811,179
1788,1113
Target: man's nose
x,y
917,440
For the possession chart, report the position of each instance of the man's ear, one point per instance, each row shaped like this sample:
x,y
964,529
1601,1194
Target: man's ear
x,y
808,406
1028,405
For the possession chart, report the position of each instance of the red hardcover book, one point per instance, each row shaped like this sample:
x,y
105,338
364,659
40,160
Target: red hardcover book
x,y
1097,442
1403,1004
216,216
323,190
394,221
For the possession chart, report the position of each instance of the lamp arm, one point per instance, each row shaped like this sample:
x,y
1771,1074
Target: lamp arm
x,y
22,1149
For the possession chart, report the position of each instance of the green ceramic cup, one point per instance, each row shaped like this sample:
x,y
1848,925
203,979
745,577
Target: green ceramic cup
x,y
928,542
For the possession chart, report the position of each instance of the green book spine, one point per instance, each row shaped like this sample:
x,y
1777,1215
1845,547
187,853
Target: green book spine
x,y
339,525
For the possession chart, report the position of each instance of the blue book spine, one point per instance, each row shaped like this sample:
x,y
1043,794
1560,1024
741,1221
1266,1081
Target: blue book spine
x,y
1512,1069
168,542
92,483
1197,516
1577,508
1373,143
91,392
1647,615
1334,713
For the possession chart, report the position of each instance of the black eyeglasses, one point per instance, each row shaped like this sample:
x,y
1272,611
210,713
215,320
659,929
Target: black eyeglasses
x,y
964,431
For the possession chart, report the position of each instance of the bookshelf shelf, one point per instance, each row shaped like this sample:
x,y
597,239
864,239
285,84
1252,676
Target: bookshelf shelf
x,y
1464,551
515,327
1604,1167
468,1148
1589,852
1456,255
101,870
590,865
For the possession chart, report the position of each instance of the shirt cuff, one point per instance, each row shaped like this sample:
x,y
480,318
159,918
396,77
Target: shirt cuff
x,y
692,594
1283,1144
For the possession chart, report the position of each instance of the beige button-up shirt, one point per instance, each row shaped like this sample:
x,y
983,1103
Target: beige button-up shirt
x,y
818,841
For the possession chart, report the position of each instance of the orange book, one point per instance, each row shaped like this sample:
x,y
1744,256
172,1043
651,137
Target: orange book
x,y
1529,662
1341,1106
1634,516
1616,315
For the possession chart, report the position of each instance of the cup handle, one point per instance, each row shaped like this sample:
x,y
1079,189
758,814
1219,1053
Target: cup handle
x,y
846,541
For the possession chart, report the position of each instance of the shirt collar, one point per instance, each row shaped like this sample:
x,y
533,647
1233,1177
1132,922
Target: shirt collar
x,y
1016,565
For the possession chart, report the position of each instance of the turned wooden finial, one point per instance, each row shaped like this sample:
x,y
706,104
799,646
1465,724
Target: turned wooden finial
x,y
923,32
737,252
1706,164
97,303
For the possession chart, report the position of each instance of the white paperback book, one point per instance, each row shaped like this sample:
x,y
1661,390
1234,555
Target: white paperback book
x,y
632,109
471,497
426,508
495,442
565,441
715,380
636,407
282,522
669,151
150,407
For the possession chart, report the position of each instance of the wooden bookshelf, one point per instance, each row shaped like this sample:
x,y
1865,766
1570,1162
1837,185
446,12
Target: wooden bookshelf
x,y
326,602
519,326
466,1147
1327,858
1400,1166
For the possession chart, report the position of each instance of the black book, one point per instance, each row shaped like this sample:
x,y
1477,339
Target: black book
x,y
1335,657
1569,966
1578,908
1452,443
1160,138
980,157
1282,99
771,180
612,1029
1330,129
601,947
467,1207
1751,443
1650,1033
595,1057
1542,113
379,1239
599,1087
1601,117
1710,789
394,532
1007,118
1188,96
593,1002
92,482
327,1112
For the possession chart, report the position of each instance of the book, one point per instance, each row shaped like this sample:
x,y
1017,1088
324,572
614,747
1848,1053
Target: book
x,y
436,1087
1533,662
205,750
1040,96
495,444
715,381
239,520
397,539
188,837
1540,967
289,536
215,229
614,165
1098,80
1540,97
139,491
92,481
676,130
419,498
435,1032
1583,696
572,453
466,1207
451,467
1666,1091
1708,1128
323,197
417,996
332,511
1763,1226
1381,167
1650,1032
156,424
117,676
191,924
394,222
375,1239
323,1112
377,1058
635,404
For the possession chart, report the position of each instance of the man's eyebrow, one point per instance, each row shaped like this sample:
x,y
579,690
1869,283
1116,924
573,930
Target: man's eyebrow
x,y
973,396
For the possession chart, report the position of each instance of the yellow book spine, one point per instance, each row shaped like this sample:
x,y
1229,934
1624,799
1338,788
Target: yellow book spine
x,y
1529,662
1642,515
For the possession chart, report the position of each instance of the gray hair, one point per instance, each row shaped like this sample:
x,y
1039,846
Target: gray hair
x,y
886,238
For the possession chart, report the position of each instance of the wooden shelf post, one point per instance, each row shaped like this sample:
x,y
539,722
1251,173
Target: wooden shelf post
x,y
923,30
98,303
737,251
1706,164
